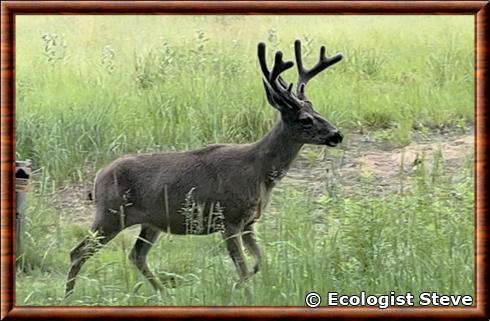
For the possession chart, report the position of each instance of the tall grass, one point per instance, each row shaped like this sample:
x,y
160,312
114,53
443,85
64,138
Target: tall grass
x,y
91,88
420,240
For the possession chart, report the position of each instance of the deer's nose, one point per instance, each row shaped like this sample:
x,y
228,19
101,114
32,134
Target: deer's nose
x,y
336,137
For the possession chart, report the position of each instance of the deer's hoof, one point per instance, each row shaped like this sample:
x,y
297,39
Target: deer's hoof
x,y
170,280
242,282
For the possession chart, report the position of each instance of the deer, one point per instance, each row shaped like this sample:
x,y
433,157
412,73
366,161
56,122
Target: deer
x,y
151,189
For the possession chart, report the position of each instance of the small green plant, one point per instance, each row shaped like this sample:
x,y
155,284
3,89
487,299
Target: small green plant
x,y
273,37
166,60
107,59
199,55
54,47
198,219
145,71
312,156
403,132
307,45
366,62
379,119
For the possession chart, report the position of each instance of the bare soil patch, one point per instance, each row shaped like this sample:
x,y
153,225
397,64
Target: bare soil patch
x,y
319,168
363,155
73,203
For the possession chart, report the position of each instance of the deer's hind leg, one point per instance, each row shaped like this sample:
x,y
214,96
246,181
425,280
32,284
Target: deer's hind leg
x,y
86,249
139,253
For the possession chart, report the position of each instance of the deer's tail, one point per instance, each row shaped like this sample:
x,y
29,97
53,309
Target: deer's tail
x,y
91,194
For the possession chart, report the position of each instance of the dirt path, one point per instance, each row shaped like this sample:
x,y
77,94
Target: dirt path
x,y
363,155
319,168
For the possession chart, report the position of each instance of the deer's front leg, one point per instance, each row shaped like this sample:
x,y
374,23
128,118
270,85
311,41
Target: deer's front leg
x,y
250,242
233,241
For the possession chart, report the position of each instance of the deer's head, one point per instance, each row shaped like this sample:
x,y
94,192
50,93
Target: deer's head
x,y
305,124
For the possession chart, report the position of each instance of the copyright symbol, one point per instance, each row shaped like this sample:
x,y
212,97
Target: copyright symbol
x,y
313,299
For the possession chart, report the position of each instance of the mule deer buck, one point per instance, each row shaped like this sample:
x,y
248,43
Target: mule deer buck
x,y
152,189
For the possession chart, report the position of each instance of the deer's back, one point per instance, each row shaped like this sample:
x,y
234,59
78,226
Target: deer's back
x,y
217,174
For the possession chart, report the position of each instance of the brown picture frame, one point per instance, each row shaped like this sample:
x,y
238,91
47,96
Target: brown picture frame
x,y
9,9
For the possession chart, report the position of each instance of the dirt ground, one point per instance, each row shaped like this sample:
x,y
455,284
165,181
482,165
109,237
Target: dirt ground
x,y
319,168
362,155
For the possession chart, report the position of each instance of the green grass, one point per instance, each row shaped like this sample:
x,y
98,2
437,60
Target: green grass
x,y
92,88
416,241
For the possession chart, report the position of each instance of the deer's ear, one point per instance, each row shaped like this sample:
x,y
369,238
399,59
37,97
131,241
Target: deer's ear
x,y
277,101
270,98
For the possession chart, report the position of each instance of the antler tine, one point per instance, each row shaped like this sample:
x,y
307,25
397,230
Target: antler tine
x,y
263,63
304,75
279,66
299,59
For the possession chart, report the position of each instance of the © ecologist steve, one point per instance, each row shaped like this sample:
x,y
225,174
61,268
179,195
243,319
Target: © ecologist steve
x,y
219,188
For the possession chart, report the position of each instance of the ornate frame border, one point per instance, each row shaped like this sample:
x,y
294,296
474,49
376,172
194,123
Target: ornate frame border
x,y
9,9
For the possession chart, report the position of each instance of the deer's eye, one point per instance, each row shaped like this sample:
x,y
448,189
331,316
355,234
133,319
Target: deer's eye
x,y
306,121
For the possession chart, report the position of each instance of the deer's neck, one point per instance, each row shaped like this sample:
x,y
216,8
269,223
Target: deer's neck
x,y
275,152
